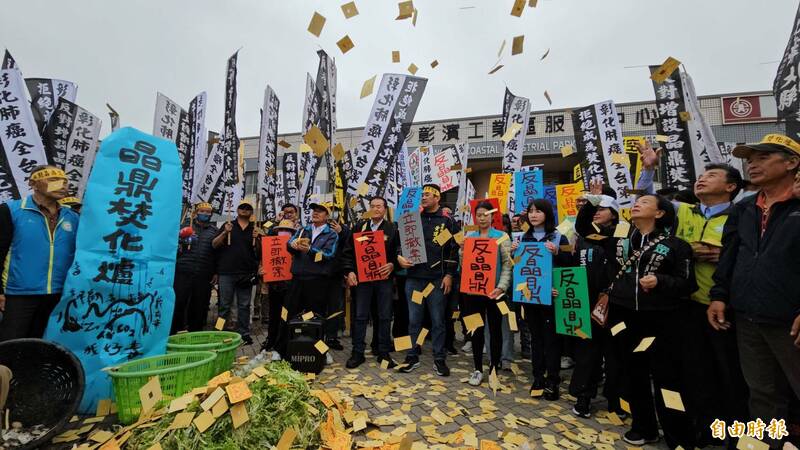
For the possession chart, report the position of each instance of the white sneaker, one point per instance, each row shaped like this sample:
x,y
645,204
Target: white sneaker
x,y
467,347
567,362
328,358
476,378
276,356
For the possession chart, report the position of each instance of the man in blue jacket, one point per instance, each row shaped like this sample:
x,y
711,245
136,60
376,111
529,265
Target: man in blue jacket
x,y
313,249
37,244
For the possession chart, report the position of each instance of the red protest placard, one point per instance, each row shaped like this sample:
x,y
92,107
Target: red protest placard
x,y
497,218
479,266
370,249
276,259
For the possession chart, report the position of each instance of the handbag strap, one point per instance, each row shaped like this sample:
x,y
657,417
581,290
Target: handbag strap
x,y
635,256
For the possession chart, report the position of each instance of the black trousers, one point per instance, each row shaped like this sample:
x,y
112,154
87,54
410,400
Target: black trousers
x,y
451,305
663,361
192,299
400,309
487,308
589,355
309,294
335,303
26,316
771,366
713,374
545,343
373,315
277,299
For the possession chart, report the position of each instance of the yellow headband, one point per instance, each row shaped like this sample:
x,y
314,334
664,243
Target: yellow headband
x,y
432,190
203,205
69,200
49,172
782,140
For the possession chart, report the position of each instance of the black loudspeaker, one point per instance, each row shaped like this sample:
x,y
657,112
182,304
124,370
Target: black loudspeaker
x,y
300,350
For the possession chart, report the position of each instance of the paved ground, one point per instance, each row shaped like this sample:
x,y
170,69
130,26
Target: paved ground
x,y
442,409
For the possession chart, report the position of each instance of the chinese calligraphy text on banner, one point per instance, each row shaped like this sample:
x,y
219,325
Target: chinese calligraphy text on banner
x,y
410,200
275,258
479,268
567,197
118,298
635,165
572,303
412,239
528,185
533,274
370,247
499,184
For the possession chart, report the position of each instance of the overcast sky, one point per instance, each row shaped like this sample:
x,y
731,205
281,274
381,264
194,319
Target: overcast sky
x,y
122,52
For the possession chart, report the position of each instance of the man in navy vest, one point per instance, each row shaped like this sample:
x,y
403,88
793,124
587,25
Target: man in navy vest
x,y
37,244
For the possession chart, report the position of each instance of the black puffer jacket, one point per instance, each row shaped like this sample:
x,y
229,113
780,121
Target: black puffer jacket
x,y
442,260
196,255
757,275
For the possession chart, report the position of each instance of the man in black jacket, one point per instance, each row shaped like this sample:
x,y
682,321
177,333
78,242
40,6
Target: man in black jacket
x,y
313,250
439,273
236,268
378,291
194,272
756,276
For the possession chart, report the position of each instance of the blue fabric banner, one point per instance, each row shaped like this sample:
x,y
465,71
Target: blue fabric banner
x,y
410,200
528,185
533,274
118,298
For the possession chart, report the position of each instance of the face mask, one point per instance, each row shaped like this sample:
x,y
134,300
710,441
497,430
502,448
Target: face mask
x,y
203,218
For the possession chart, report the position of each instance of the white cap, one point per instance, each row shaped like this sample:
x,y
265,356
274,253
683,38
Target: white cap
x,y
607,201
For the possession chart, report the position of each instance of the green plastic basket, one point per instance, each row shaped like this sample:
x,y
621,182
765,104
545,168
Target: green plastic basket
x,y
223,343
178,373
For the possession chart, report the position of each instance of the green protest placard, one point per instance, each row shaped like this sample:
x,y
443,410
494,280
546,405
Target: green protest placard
x,y
572,303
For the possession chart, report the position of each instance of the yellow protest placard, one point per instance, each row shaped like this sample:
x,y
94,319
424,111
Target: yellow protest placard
x,y
499,185
566,197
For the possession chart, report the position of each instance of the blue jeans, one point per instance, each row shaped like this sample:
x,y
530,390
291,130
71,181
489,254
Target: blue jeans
x,y
435,304
227,290
381,293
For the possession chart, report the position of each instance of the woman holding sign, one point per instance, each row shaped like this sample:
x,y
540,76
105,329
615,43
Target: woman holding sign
x,y
651,279
539,312
486,275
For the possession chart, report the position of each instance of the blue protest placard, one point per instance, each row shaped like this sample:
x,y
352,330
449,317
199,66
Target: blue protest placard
x,y
550,195
528,185
118,298
410,200
533,274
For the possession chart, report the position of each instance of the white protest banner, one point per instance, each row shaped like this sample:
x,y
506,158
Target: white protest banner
x,y
22,143
72,137
610,133
268,153
45,93
389,121
319,112
704,144
681,167
198,141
